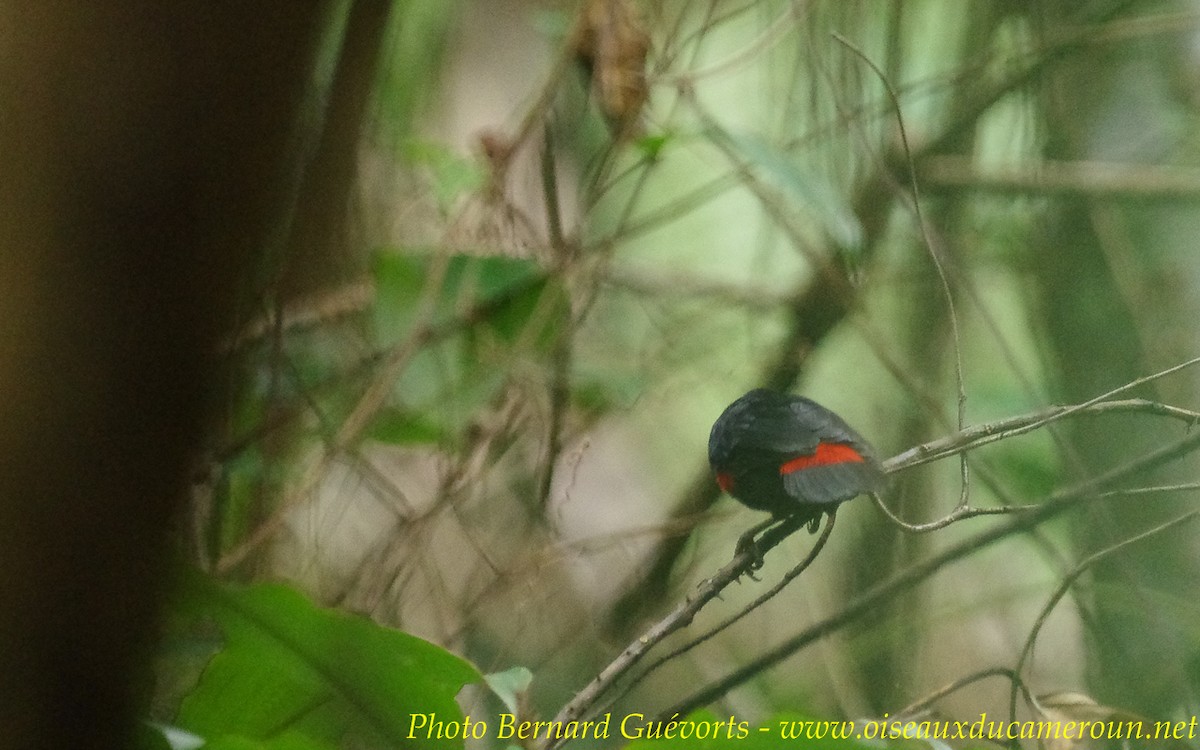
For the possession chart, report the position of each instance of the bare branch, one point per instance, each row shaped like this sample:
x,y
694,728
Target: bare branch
x,y
1069,579
1057,504
1046,178
990,432
760,600
923,704
708,589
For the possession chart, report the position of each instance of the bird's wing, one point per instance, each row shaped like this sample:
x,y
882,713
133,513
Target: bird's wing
x,y
778,432
834,483
828,427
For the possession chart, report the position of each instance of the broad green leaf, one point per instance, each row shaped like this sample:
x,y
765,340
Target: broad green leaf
x,y
399,284
481,309
473,290
474,281
300,675
530,314
287,741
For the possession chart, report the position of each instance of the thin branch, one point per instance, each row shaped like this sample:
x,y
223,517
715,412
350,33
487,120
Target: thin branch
x,y
1069,579
1157,489
960,513
369,404
788,18
560,359
981,435
935,256
760,600
1048,178
870,600
923,704
990,432
959,443
311,312
707,590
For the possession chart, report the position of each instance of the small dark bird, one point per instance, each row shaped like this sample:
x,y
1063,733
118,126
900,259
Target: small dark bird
x,y
790,456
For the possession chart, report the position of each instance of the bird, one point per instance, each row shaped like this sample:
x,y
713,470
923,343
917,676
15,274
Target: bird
x,y
790,456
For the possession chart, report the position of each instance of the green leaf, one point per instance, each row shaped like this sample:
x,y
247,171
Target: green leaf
x,y
288,741
474,281
531,314
597,393
510,685
398,427
503,294
472,287
477,311
295,675
399,283
453,175
152,736
813,195
652,145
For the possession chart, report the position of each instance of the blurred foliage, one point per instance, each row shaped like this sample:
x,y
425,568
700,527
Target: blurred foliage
x,y
291,675
499,444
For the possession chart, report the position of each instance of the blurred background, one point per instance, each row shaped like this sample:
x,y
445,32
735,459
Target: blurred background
x,y
532,249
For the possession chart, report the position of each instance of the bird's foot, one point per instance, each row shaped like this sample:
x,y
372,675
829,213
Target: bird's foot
x,y
748,544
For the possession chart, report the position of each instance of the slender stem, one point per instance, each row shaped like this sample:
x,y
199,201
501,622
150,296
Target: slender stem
x,y
707,590
1057,504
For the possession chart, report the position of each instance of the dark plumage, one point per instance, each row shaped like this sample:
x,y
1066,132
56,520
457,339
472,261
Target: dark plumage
x,y
789,455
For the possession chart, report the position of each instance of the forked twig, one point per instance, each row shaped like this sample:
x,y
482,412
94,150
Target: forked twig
x,y
1065,585
729,621
707,590
1057,504
934,255
1024,518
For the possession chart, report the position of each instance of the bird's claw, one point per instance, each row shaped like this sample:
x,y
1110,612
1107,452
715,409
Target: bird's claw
x,y
748,544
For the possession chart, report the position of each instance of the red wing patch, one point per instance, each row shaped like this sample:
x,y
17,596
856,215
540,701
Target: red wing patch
x,y
725,481
824,455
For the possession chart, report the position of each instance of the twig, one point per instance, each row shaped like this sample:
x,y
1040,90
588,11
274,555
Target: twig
x,y
960,513
706,591
961,442
350,299
560,391
874,597
1079,178
1153,490
788,18
373,399
934,255
923,704
1065,585
990,432
758,602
